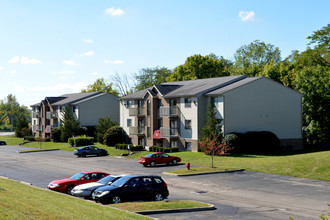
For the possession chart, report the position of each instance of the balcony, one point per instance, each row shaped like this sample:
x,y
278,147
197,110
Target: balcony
x,y
53,115
48,129
168,132
35,128
136,111
35,114
136,131
168,111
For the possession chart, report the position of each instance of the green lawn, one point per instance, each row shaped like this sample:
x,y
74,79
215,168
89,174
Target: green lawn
x,y
311,165
19,201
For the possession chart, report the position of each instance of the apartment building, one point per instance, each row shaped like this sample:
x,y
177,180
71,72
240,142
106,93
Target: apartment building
x,y
86,107
172,114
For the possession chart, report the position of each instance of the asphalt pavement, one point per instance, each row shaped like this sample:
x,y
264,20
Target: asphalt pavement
x,y
239,195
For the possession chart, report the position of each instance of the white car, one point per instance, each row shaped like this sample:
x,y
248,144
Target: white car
x,y
86,190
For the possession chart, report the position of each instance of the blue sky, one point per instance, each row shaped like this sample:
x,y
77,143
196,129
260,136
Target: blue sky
x,y
50,48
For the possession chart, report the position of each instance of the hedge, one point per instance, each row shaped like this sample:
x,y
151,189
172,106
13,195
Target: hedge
x,y
131,147
29,138
80,141
163,149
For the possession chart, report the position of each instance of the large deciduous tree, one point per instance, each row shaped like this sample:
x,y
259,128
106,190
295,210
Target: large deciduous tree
x,y
148,77
100,85
201,67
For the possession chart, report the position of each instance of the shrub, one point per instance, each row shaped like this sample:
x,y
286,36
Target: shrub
x,y
55,134
163,149
29,138
81,141
121,146
113,136
137,148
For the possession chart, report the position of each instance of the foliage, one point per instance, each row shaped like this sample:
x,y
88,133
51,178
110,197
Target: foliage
x,y
10,111
69,125
131,147
163,149
231,140
251,59
55,134
100,85
324,217
29,138
212,128
210,146
123,84
103,125
201,67
79,141
148,77
22,123
113,136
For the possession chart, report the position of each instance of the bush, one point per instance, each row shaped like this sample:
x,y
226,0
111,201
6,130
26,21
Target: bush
x,y
113,136
29,138
163,149
257,142
81,141
136,148
232,141
121,146
55,134
42,139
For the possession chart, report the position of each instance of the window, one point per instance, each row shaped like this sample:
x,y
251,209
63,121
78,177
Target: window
x,y
188,146
148,107
160,123
128,103
174,144
160,103
129,122
187,102
148,132
188,124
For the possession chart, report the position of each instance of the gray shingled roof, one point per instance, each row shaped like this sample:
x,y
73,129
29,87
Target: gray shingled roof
x,y
232,86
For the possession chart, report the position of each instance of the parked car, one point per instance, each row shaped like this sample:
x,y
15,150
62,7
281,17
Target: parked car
x,y
66,185
86,190
158,158
132,188
89,150
3,143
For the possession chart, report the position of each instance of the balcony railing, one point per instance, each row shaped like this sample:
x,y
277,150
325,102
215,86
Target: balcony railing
x,y
36,128
168,111
48,115
136,130
53,115
48,129
35,114
168,132
136,111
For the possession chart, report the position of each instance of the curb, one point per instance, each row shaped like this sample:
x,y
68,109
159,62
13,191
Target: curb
x,y
211,207
32,151
207,173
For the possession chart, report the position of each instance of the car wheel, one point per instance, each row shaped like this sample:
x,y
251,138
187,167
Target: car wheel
x,y
79,155
174,162
144,165
115,200
158,197
152,163
83,154
69,189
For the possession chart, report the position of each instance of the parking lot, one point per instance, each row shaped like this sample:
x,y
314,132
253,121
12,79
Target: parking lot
x,y
241,195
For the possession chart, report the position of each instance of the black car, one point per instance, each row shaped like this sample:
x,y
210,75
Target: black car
x,y
89,150
3,143
132,188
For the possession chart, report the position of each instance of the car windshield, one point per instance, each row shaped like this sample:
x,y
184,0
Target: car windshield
x,y
78,176
106,179
149,155
120,182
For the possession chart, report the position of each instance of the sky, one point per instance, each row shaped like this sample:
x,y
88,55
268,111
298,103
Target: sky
x,y
51,48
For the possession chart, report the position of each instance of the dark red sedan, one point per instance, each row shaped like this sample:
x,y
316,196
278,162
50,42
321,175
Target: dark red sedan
x,y
158,158
67,184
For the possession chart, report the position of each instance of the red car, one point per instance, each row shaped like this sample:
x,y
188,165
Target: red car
x,y
158,158
66,185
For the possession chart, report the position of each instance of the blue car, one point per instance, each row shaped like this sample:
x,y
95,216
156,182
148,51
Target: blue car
x,y
89,150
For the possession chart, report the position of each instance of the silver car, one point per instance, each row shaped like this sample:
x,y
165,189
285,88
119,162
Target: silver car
x,y
86,190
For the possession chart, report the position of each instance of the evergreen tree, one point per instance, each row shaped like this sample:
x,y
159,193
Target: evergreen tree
x,y
70,126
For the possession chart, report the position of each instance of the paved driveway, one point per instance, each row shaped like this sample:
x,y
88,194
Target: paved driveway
x,y
242,195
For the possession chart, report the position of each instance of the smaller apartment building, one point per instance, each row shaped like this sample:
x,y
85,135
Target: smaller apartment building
x,y
86,107
172,114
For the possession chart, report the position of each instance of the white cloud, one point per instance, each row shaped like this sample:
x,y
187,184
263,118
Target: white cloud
x,y
16,59
24,60
114,11
114,61
1,68
88,41
95,73
89,53
246,15
69,62
66,72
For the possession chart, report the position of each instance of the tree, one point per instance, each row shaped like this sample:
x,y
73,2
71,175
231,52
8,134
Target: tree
x,y
100,85
148,77
201,67
22,123
69,125
213,127
123,84
103,125
251,59
113,136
